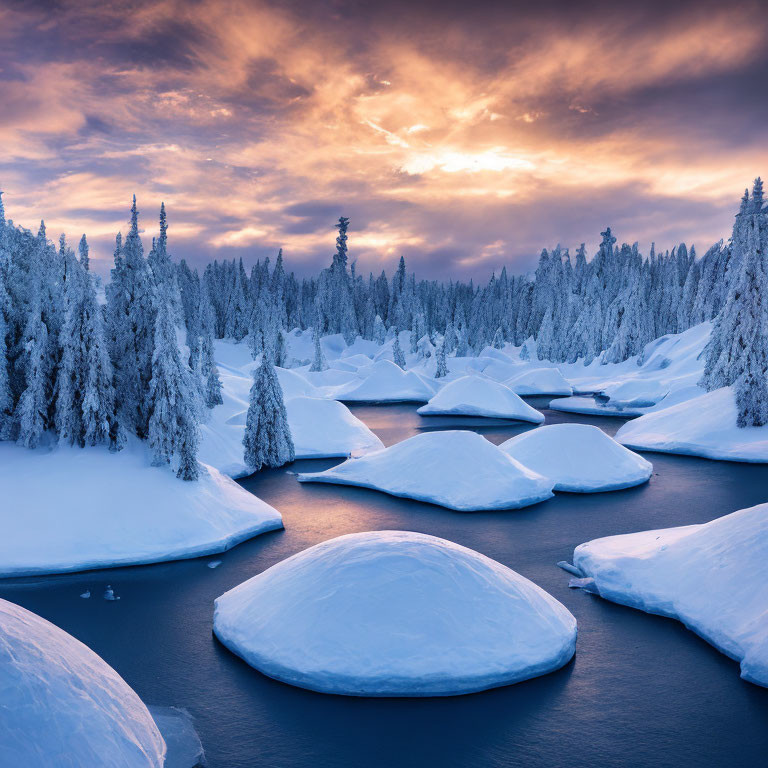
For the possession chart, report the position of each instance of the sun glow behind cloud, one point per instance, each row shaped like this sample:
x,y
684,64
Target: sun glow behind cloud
x,y
463,138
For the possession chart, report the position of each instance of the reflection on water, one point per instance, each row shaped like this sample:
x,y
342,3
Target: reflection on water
x,y
641,691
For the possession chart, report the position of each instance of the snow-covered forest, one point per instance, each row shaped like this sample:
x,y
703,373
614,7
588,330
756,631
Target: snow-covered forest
x,y
91,366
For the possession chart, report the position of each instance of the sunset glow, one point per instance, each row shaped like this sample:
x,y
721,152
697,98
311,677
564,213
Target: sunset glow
x,y
463,138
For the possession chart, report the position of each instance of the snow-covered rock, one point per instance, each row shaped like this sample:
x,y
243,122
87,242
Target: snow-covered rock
x,y
578,458
62,705
456,469
327,428
479,396
386,382
712,577
393,613
540,381
702,426
71,509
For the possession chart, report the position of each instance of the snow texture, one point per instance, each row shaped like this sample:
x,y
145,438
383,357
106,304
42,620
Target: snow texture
x,y
479,396
704,426
711,577
393,613
457,469
73,509
578,458
62,705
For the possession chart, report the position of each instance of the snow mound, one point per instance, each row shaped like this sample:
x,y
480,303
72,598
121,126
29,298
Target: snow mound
x,y
703,426
64,706
386,382
393,613
578,458
711,577
327,428
479,396
72,509
292,383
540,381
457,469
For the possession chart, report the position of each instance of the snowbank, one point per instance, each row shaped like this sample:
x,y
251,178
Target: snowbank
x,y
72,509
479,396
578,458
711,577
62,705
327,428
704,426
320,428
457,469
540,381
386,382
392,613
666,373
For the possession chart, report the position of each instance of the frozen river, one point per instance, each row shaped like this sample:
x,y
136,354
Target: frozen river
x,y
642,690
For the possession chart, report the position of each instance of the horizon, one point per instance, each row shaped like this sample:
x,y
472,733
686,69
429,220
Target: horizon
x,y
463,140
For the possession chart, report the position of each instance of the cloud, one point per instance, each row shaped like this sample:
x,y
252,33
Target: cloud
x,y
462,137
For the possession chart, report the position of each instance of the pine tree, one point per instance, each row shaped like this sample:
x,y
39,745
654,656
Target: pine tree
x,y
379,332
319,363
498,339
397,353
173,412
442,366
30,416
267,440
6,395
525,353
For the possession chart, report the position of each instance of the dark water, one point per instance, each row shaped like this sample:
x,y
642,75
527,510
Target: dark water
x,y
641,691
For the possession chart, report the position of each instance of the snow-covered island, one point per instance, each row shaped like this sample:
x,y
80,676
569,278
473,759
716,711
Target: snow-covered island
x,y
457,469
710,577
392,613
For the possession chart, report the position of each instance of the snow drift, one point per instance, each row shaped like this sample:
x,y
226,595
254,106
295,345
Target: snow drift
x,y
711,577
64,706
479,396
540,381
704,426
72,509
393,613
578,458
327,428
456,469
386,382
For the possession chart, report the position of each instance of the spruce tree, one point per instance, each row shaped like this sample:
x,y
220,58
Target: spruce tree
x,y
30,416
173,414
442,366
397,352
319,363
267,440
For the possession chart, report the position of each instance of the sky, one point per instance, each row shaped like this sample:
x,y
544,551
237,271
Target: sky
x,y
463,135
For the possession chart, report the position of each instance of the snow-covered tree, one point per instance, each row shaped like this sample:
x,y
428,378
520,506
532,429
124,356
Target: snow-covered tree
x,y
397,353
31,411
173,420
267,440
442,365
318,363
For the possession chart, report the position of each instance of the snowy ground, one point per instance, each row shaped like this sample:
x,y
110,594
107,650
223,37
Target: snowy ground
x,y
393,613
711,577
457,469
70,509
